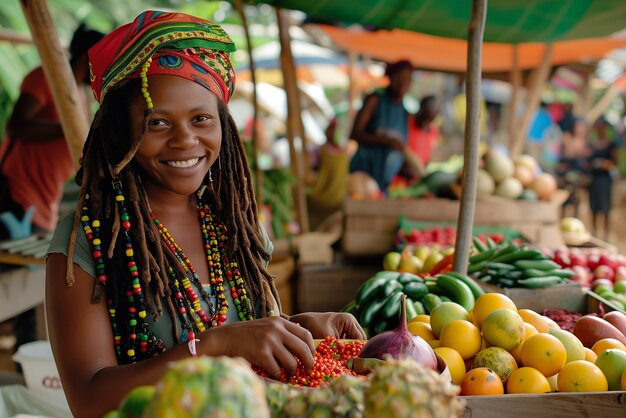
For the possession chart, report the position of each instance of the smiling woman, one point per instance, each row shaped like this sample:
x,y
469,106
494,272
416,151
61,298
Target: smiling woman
x,y
165,256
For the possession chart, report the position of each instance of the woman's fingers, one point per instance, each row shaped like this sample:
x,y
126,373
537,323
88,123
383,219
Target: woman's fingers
x,y
302,333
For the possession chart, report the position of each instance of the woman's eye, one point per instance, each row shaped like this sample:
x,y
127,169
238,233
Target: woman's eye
x,y
157,122
201,118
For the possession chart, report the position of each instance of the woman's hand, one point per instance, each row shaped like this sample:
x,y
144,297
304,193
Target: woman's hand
x,y
269,343
322,324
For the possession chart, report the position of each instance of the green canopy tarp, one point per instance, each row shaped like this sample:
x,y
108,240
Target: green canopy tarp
x,y
509,21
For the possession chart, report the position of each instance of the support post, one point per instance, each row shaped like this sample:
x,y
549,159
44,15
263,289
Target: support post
x,y
293,116
472,135
258,173
59,75
516,83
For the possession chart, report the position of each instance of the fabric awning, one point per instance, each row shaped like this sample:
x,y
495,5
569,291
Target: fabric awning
x,y
446,54
508,21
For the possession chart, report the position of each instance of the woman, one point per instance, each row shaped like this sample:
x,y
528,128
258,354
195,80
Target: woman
x,y
380,128
572,169
165,257
602,161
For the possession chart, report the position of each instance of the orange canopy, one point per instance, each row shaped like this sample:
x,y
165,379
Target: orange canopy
x,y
447,54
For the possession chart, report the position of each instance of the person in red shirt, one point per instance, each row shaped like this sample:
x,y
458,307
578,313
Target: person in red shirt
x,y
423,134
35,162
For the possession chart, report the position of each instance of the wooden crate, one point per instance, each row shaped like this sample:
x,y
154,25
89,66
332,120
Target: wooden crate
x,y
324,288
563,296
369,225
284,269
553,405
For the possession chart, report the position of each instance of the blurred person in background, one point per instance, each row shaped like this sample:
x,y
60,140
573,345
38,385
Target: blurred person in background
x,y
423,135
35,161
572,169
380,127
603,160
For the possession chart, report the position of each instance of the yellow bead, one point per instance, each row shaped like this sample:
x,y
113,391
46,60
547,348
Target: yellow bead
x,y
97,241
84,218
119,198
142,314
129,252
131,353
136,286
95,223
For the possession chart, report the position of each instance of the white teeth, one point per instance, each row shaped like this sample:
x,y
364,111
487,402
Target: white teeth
x,y
184,164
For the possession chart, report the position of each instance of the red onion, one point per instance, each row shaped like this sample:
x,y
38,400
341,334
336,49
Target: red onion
x,y
400,343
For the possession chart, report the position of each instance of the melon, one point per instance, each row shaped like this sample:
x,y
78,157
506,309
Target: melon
x,y
544,185
527,161
528,194
361,185
509,187
484,182
498,165
524,175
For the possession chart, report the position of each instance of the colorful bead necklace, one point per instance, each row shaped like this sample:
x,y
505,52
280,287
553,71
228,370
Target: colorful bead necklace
x,y
192,317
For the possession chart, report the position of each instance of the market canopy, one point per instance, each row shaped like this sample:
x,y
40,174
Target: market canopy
x,y
508,21
445,54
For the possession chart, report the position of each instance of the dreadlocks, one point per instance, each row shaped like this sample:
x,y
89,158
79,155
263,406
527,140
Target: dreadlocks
x,y
108,158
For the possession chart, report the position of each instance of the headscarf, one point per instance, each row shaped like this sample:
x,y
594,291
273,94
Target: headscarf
x,y
176,43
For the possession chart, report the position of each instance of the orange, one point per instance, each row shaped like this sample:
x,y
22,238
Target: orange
x,y
503,328
489,302
529,331
463,336
545,353
527,380
605,344
481,381
434,344
534,319
497,359
590,355
454,361
421,318
581,376
421,329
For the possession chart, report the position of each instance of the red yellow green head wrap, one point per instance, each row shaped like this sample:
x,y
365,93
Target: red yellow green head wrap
x,y
164,43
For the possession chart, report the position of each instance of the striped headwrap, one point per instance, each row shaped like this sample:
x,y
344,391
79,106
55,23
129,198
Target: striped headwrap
x,y
168,43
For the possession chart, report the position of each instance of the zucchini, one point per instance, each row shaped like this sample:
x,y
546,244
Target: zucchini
x,y
540,282
415,290
370,289
544,265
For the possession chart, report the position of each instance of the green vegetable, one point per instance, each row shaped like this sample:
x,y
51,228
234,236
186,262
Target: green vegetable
x,y
456,290
477,291
540,282
419,307
370,289
415,290
391,287
545,265
430,301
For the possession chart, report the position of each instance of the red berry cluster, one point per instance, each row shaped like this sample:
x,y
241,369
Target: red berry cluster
x,y
330,361
563,317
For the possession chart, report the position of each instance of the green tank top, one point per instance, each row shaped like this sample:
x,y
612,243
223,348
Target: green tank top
x,y
162,327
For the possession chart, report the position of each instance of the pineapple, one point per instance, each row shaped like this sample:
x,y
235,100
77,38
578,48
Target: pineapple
x,y
342,398
205,387
404,389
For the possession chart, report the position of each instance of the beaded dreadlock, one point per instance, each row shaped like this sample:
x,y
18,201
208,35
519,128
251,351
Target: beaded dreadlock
x,y
107,155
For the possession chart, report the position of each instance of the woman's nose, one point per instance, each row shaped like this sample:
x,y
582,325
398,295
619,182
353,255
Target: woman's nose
x,y
183,137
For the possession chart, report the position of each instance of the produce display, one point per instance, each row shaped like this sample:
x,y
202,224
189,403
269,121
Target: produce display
x,y
495,348
511,265
329,362
224,387
378,304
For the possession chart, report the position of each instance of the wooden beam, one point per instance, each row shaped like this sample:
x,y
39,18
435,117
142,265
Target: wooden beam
x,y
611,93
14,37
59,74
539,77
516,83
472,135
258,173
294,118
352,92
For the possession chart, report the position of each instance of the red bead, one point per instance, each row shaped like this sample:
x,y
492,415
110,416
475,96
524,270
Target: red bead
x,y
133,336
136,290
97,254
134,273
126,225
182,310
179,295
143,343
191,336
223,318
102,278
131,264
132,309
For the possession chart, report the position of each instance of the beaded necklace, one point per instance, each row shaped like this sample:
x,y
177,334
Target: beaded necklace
x,y
192,317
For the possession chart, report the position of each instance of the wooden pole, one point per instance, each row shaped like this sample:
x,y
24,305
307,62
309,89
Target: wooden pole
x,y
352,92
516,83
472,135
612,92
293,115
539,78
585,97
258,173
59,74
